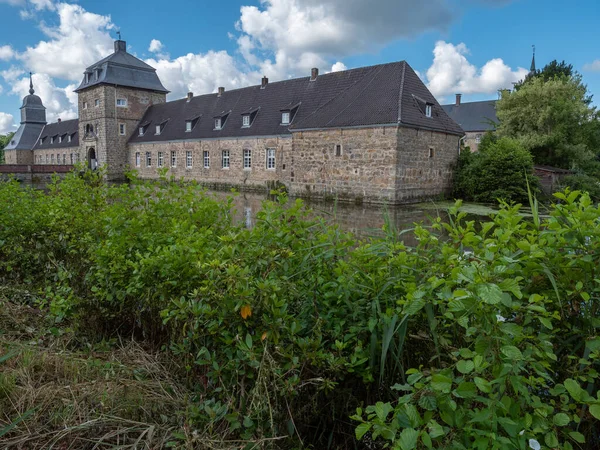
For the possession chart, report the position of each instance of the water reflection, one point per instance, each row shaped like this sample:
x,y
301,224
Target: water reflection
x,y
363,220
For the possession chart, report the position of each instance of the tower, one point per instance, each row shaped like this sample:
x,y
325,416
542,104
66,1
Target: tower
x,y
112,98
33,119
532,68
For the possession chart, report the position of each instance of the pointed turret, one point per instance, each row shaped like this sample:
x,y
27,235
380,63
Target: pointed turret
x,y
532,68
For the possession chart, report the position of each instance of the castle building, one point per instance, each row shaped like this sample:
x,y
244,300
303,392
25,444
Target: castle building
x,y
372,134
475,118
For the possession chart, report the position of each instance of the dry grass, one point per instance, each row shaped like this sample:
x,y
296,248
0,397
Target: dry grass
x,y
53,398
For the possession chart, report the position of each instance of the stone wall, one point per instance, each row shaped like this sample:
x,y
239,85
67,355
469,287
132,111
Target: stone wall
x,y
18,157
109,145
471,138
257,177
425,164
57,156
363,169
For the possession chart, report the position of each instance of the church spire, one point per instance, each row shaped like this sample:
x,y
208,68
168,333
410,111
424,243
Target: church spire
x,y
532,69
31,90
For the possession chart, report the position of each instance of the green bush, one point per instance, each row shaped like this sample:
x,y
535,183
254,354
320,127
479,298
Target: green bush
x,y
481,336
500,170
584,183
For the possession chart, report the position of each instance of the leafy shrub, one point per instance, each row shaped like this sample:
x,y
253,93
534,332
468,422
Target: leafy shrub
x,y
498,171
483,335
584,183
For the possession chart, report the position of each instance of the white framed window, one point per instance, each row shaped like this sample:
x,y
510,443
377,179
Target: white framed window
x,y
206,157
60,139
285,118
158,127
46,158
478,139
97,103
173,159
247,159
225,159
122,129
428,109
218,124
96,72
270,158
338,149
52,158
148,159
122,102
84,105
246,120
431,152
52,140
141,131
188,159
69,138
161,159
188,126
87,77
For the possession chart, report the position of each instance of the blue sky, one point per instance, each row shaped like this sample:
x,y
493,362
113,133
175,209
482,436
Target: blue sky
x,y
474,47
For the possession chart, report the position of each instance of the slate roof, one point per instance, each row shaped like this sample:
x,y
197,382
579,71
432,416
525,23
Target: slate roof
x,y
64,129
474,116
122,69
386,94
25,137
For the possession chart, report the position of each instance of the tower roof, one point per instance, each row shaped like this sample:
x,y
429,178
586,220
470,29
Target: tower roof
x,y
122,69
32,100
532,68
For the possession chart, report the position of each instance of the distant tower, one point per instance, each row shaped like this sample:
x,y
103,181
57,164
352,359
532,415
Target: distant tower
x,y
532,68
112,98
33,119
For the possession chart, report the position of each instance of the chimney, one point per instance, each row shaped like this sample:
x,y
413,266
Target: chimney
x,y
59,120
221,90
458,98
264,82
314,73
190,95
120,46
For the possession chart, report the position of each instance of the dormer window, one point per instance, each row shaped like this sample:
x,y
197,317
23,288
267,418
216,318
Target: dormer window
x,y
52,140
60,139
96,72
285,118
87,77
218,124
246,120
69,138
220,120
428,109
141,131
158,129
188,126
288,113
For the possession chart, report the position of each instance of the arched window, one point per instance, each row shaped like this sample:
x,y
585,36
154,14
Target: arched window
x,y
89,129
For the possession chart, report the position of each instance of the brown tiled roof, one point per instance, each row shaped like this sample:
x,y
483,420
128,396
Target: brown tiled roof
x,y
386,94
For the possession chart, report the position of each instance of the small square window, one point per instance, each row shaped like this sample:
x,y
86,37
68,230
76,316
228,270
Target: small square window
x,y
285,118
217,124
122,102
84,105
246,120
428,109
431,152
338,150
97,103
188,126
122,129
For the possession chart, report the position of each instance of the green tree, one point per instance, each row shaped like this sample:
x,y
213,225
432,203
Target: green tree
x,y
552,70
553,120
496,172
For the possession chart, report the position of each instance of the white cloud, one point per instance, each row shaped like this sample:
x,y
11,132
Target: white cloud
x,y
155,46
593,66
6,52
59,102
7,123
80,39
451,72
338,67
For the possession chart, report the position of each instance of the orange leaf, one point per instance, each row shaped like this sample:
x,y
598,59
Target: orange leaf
x,y
245,312
264,336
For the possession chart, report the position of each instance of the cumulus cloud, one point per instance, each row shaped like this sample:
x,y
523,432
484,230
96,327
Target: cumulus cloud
x,y
6,52
593,66
7,123
451,72
155,46
80,39
338,67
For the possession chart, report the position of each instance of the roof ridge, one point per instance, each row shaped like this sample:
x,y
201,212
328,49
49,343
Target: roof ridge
x,y
401,94
377,71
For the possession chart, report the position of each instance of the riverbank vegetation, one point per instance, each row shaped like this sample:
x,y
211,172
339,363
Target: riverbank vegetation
x,y
142,316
